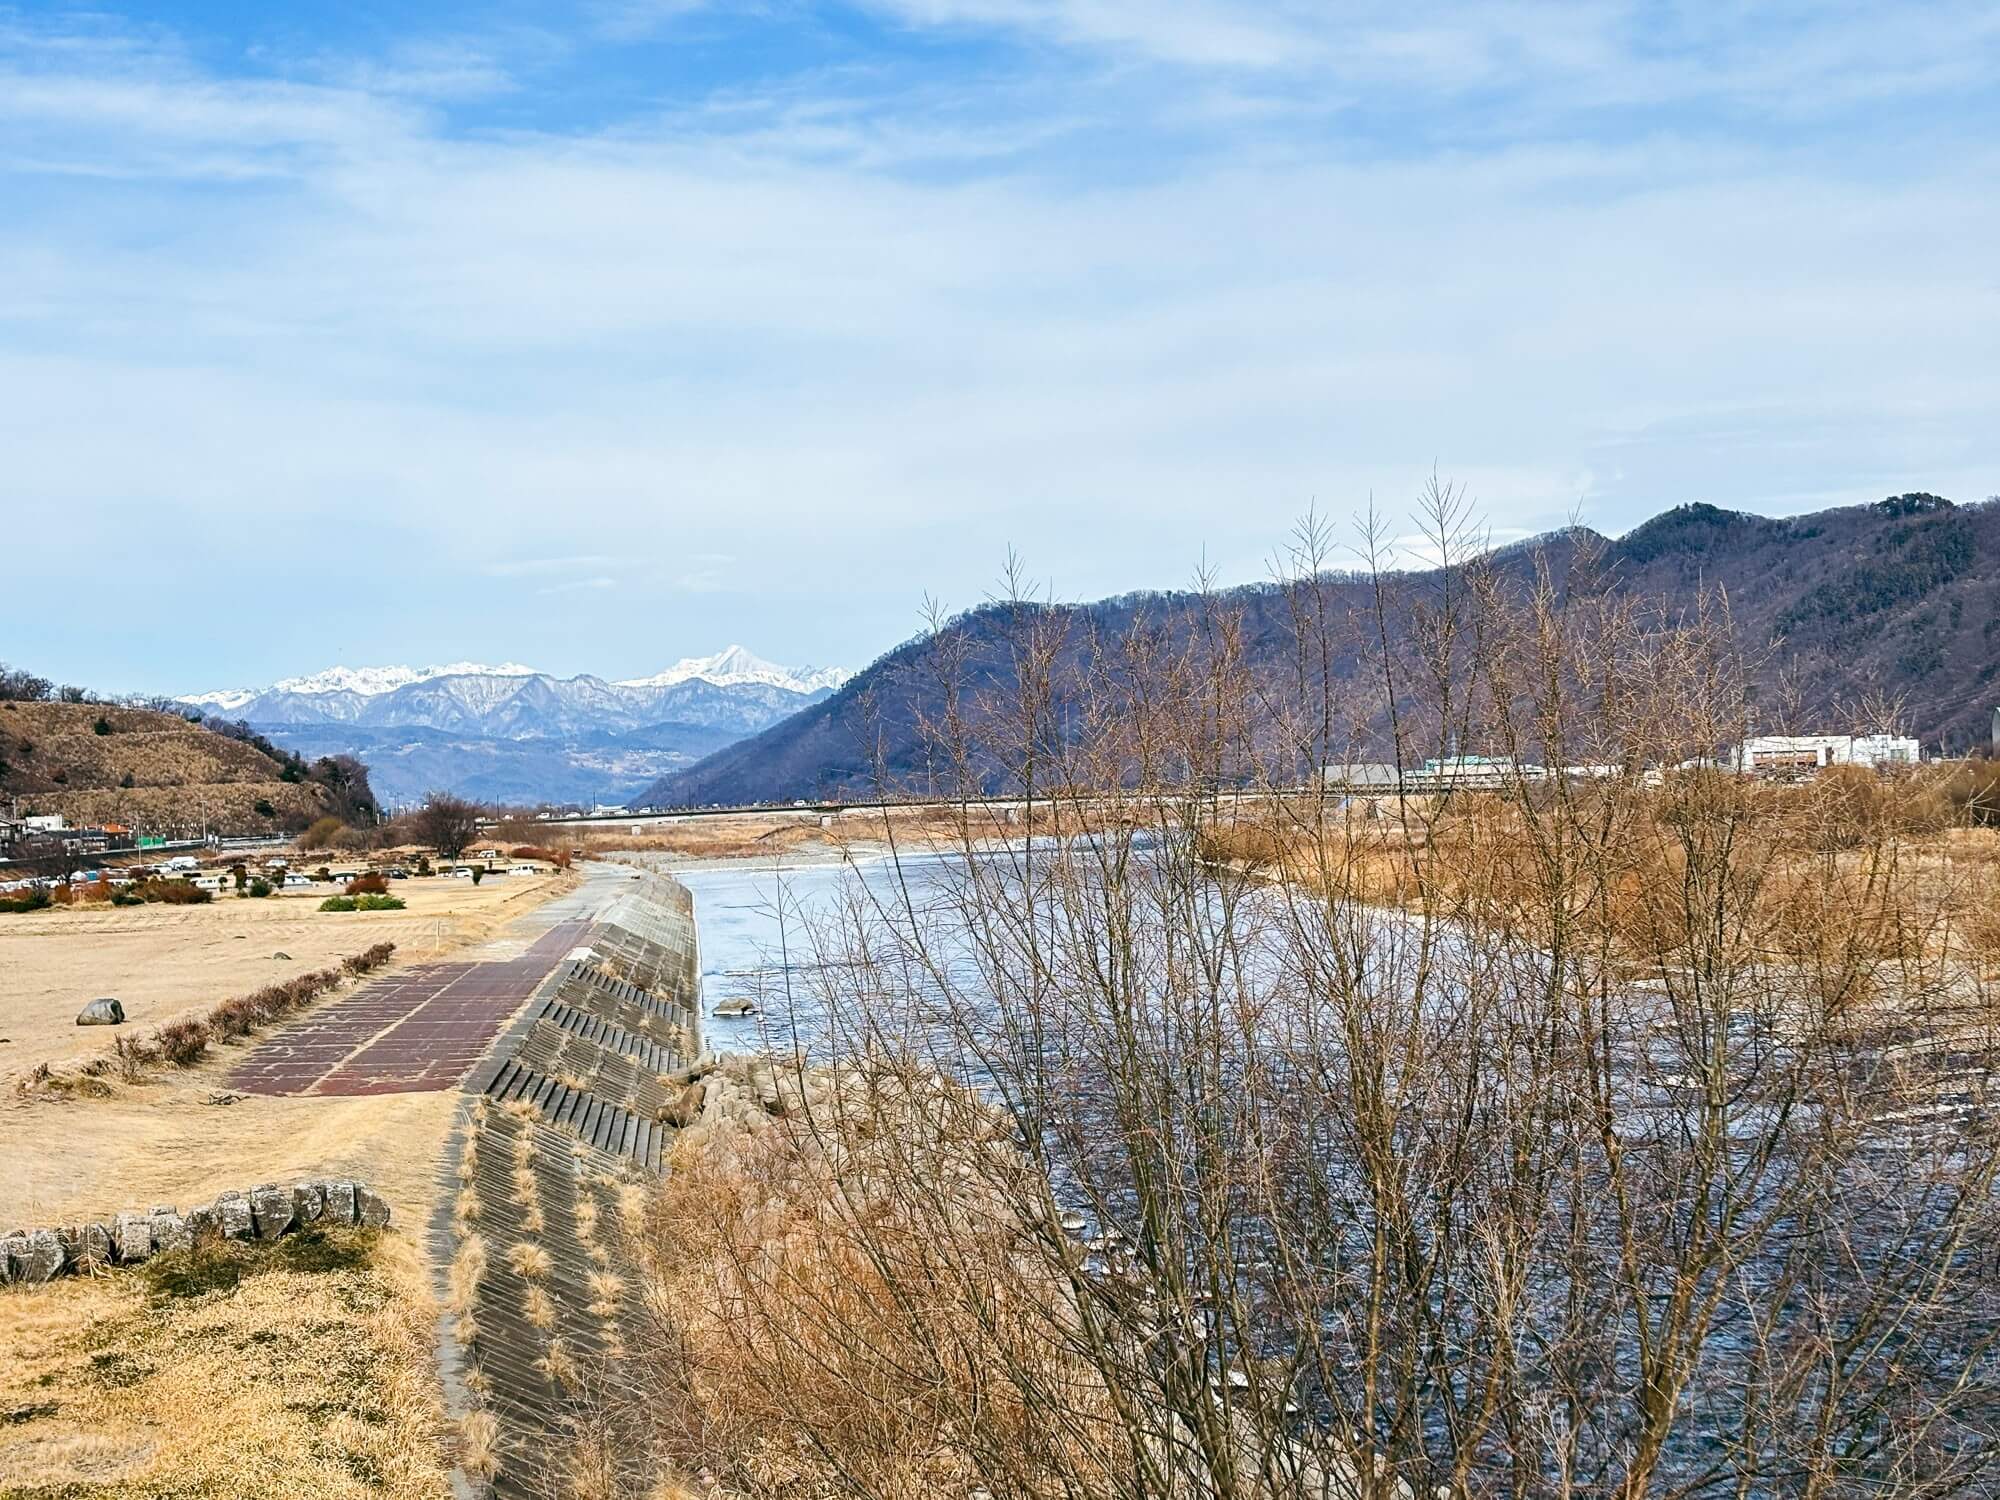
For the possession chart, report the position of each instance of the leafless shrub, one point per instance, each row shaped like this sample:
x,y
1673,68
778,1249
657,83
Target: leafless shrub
x,y
1641,1151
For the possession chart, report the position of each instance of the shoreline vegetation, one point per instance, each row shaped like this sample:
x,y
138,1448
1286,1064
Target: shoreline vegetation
x,y
1644,1154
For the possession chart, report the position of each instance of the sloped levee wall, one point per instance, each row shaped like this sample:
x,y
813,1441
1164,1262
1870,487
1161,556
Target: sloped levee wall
x,y
565,1123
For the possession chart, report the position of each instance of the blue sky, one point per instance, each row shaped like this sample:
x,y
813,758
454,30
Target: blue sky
x,y
596,336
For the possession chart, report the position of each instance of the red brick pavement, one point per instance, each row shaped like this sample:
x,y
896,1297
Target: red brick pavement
x,y
415,1031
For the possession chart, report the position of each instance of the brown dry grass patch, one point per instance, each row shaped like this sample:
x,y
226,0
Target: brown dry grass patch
x,y
294,1382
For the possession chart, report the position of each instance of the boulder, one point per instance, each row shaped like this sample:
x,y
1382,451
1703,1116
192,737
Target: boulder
x,y
170,1232
132,1238
282,956
371,1209
340,1201
104,1012
308,1202
11,1246
233,1217
203,1223
271,1207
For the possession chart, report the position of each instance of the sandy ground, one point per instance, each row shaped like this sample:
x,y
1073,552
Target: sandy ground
x,y
167,1142
164,961
181,1136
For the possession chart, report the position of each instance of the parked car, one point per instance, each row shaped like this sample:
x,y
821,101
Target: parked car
x,y
292,881
462,872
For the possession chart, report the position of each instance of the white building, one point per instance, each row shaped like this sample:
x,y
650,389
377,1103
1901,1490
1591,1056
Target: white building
x,y
1810,752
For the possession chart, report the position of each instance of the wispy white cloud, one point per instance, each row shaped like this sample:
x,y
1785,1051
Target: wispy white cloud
x,y
799,350
537,567
704,573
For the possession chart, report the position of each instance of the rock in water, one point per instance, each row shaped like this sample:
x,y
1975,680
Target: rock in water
x,y
104,1012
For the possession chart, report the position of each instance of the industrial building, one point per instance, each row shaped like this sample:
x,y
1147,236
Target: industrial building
x,y
1776,754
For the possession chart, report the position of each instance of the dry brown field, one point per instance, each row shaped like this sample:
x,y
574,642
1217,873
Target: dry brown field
x,y
163,962
310,1368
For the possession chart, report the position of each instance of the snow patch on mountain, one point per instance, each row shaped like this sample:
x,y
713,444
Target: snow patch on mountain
x,y
364,682
733,666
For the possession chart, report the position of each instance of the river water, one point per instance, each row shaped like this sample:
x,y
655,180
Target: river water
x,y
754,920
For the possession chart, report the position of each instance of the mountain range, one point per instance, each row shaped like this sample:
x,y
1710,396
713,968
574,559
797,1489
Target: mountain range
x,y
513,734
1897,601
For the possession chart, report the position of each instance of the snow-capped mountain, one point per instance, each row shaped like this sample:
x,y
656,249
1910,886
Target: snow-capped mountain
x,y
733,666
496,731
730,667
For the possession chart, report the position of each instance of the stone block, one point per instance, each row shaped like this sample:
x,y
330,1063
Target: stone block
x,y
371,1208
271,1207
203,1223
86,1247
233,1217
132,1238
308,1202
340,1201
11,1246
38,1256
170,1232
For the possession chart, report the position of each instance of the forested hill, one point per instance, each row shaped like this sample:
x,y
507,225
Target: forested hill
x,y
1897,600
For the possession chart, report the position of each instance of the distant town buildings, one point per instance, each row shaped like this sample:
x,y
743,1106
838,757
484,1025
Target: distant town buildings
x,y
45,836
1769,754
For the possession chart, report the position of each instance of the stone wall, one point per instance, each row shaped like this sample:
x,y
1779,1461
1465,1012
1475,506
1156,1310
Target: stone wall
x,y
263,1212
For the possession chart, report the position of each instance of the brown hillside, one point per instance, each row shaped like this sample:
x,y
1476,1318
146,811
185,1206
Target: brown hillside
x,y
183,775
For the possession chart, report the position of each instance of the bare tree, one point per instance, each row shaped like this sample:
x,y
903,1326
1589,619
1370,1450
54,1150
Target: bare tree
x,y
1567,1117
448,823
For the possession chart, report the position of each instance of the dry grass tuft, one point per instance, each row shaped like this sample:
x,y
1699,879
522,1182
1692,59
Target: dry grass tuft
x,y
539,1308
530,1260
468,1269
557,1365
479,1445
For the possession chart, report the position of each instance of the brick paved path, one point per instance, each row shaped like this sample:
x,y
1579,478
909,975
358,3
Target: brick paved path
x,y
412,1032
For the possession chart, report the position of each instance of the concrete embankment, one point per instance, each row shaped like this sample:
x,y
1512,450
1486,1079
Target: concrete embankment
x,y
564,1122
